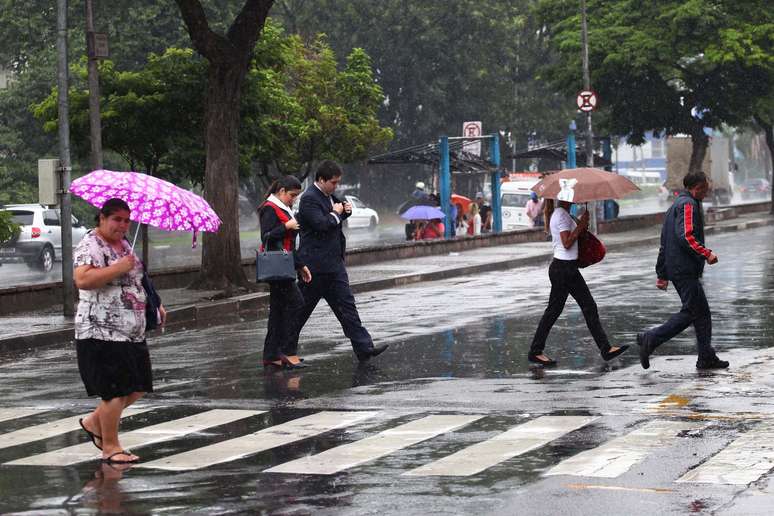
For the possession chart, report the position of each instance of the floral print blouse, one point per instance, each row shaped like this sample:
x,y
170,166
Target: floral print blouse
x,y
116,311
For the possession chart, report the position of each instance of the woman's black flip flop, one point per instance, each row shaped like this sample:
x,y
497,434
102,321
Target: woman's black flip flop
x,y
111,460
91,435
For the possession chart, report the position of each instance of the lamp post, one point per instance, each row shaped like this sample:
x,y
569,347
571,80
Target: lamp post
x,y
93,79
587,87
68,300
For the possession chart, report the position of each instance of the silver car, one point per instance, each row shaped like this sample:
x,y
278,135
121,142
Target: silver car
x,y
40,241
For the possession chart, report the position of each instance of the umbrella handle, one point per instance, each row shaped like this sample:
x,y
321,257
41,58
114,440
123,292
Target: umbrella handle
x,y
137,231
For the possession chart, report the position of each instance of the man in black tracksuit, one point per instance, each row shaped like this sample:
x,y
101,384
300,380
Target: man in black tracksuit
x,y
681,259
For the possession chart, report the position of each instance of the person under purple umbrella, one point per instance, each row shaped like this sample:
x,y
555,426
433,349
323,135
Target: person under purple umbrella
x,y
113,357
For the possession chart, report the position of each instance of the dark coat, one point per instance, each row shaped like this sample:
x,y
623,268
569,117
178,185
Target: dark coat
x,y
273,233
682,253
323,243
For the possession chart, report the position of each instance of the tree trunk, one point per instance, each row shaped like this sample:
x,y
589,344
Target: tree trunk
x,y
699,144
769,130
229,58
221,256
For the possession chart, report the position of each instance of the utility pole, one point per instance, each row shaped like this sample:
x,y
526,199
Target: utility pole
x,y
68,300
93,73
587,87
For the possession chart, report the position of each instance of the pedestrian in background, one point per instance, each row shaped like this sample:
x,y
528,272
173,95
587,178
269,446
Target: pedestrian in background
x,y
534,210
431,230
322,249
566,280
474,220
278,232
681,259
113,357
485,211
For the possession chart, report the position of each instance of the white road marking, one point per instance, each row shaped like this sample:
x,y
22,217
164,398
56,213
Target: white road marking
x,y
743,461
58,427
15,413
349,455
262,440
516,441
137,438
616,457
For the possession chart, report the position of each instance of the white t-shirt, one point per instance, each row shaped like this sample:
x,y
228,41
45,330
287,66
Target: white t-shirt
x,y
562,221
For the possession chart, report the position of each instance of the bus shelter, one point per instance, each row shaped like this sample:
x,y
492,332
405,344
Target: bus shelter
x,y
451,155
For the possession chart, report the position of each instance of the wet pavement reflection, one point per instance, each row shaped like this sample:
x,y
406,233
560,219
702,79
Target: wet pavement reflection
x,y
456,347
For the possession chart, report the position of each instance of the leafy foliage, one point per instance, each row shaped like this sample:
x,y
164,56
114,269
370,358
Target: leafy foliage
x,y
440,63
671,66
8,229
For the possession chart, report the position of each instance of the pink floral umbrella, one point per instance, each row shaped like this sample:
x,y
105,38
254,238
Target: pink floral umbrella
x,y
153,201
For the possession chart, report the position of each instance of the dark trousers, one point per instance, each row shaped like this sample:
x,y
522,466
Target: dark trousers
x,y
695,311
285,303
334,288
566,280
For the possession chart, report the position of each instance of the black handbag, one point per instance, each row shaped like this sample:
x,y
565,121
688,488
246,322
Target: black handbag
x,y
274,266
152,303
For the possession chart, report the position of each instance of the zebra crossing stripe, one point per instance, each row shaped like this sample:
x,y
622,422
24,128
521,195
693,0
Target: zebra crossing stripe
x,y
142,437
516,441
265,439
616,457
15,413
58,427
349,455
743,461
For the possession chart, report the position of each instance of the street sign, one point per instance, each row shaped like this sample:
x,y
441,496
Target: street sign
x,y
472,130
97,45
586,101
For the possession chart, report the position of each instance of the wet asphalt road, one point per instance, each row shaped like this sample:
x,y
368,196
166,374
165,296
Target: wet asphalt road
x,y
457,347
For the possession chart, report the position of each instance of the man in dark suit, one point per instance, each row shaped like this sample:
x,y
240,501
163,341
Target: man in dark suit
x,y
322,247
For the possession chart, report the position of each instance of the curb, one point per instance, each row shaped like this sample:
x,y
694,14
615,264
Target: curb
x,y
255,306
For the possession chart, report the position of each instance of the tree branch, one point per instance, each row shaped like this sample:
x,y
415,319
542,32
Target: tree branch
x,y
247,26
208,43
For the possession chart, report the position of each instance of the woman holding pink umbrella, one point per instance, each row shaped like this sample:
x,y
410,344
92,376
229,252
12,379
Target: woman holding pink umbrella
x,y
113,357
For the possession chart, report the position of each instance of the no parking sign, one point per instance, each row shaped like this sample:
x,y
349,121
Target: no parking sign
x,y
586,101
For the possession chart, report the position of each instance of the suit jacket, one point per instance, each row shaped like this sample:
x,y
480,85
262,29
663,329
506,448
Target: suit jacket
x,y
323,243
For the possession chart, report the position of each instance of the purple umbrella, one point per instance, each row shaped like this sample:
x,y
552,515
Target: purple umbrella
x,y
423,213
152,200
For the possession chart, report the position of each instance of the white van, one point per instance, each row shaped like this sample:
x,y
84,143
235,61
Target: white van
x,y
513,198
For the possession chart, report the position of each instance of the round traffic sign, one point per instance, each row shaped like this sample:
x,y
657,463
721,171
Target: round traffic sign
x,y
586,101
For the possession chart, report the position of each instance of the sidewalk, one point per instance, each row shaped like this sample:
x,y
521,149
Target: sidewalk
x,y
191,308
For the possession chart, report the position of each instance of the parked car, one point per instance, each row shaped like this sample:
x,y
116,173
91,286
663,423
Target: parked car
x,y
756,187
513,197
362,216
40,241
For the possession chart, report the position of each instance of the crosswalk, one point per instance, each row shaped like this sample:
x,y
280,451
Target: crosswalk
x,y
747,458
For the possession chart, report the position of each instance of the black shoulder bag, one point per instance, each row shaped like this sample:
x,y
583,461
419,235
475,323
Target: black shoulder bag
x,y
152,302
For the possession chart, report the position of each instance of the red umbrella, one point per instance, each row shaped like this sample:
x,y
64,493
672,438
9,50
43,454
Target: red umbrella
x,y
461,201
580,185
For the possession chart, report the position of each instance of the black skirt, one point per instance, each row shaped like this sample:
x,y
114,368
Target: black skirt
x,y
114,369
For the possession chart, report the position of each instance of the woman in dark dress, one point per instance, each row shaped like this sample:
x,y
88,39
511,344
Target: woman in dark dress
x,y
113,356
278,231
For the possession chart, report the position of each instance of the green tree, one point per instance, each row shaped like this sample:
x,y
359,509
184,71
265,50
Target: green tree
x,y
228,56
8,229
441,63
299,108
148,116
657,66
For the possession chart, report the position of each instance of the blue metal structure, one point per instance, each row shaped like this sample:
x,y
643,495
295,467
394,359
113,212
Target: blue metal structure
x,y
571,162
445,186
445,182
494,177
